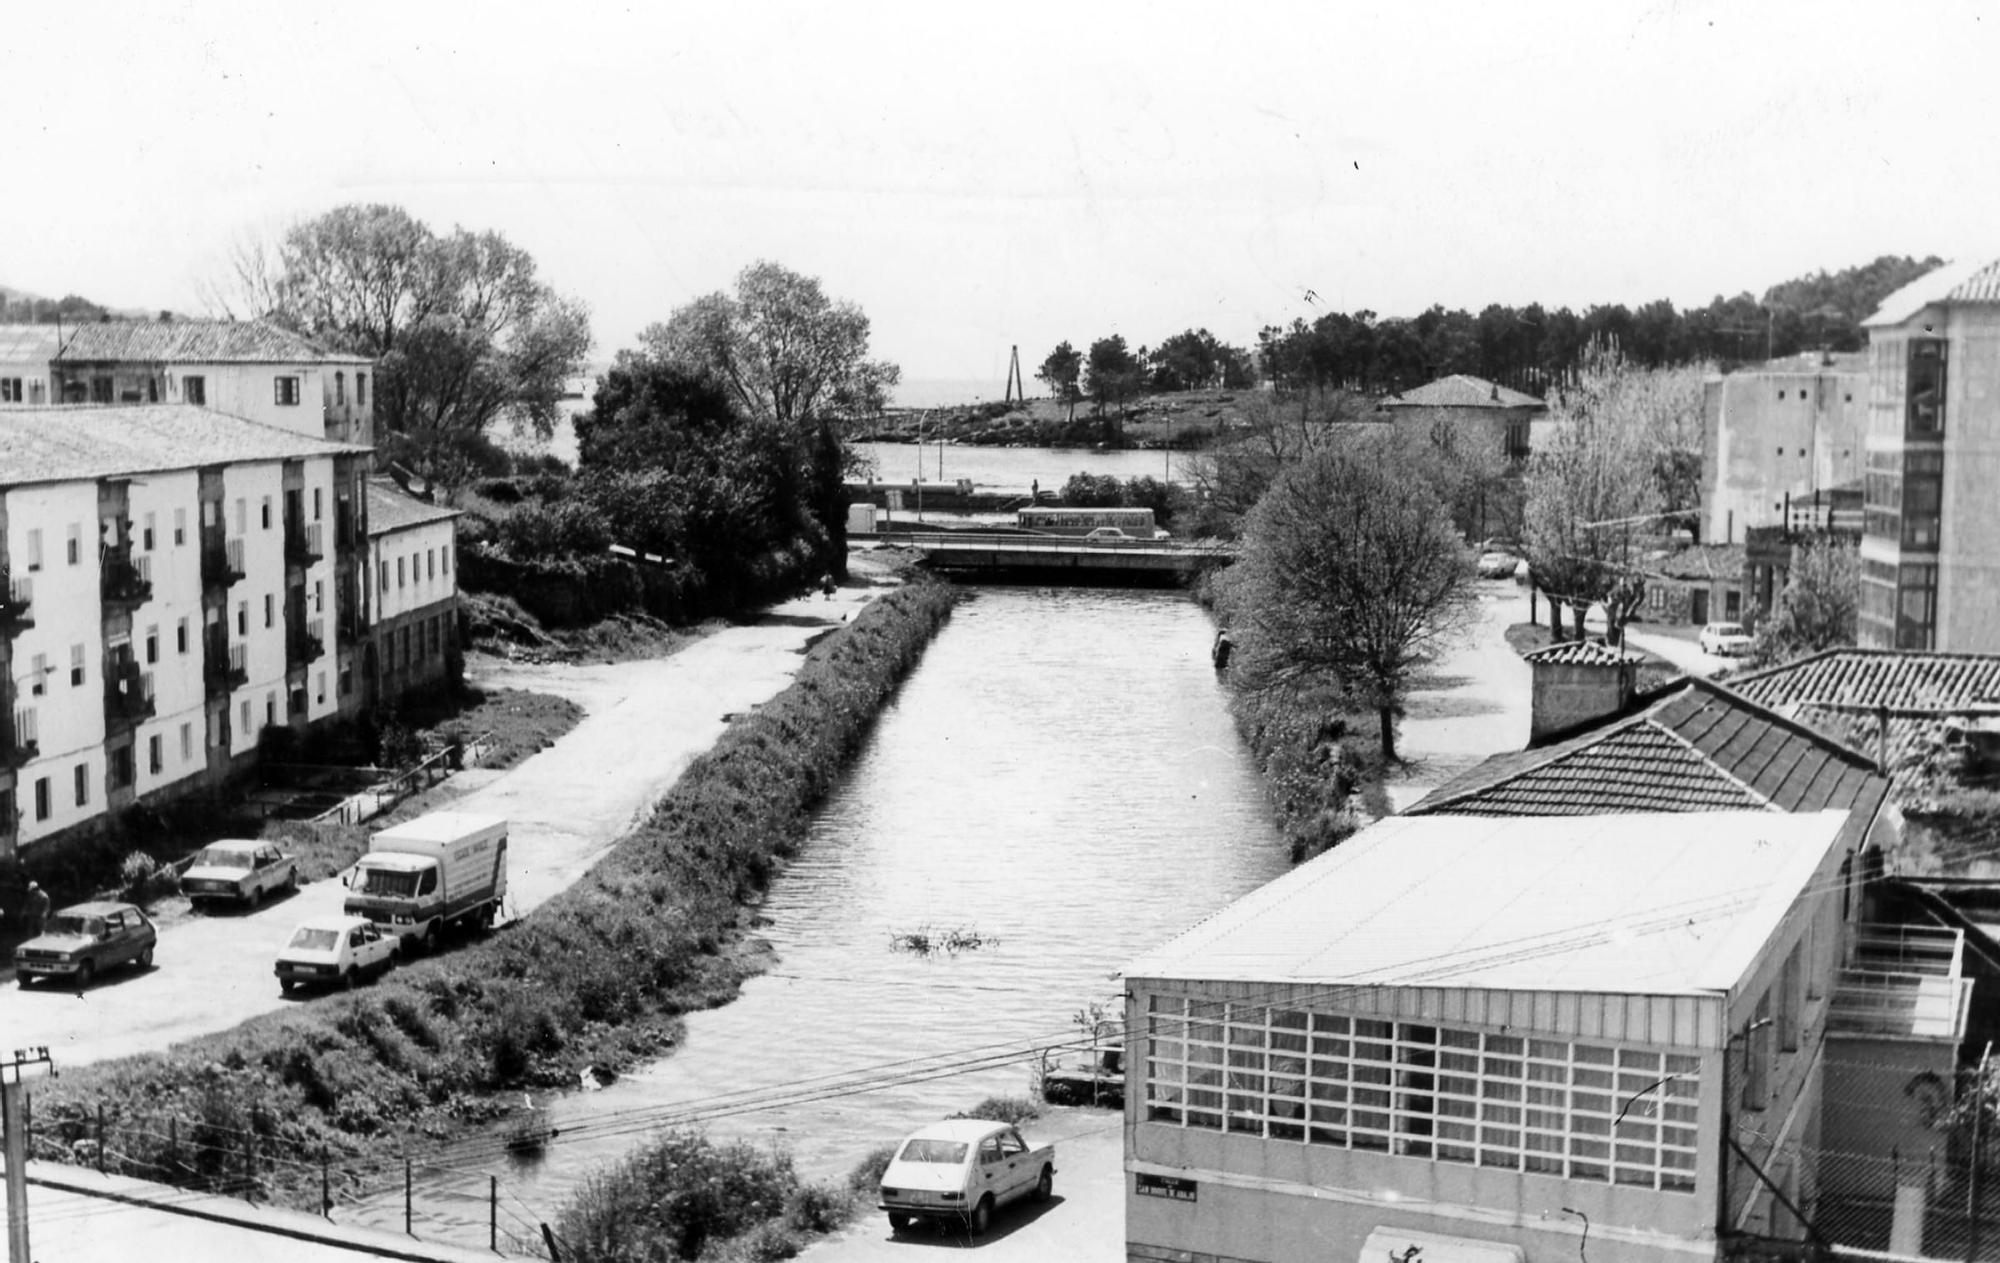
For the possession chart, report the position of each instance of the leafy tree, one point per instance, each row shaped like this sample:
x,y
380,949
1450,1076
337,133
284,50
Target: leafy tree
x,y
462,331
1817,609
1112,373
1197,359
1350,571
1061,371
1093,491
1232,474
649,413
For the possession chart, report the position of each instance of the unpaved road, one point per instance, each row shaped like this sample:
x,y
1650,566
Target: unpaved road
x,y
644,722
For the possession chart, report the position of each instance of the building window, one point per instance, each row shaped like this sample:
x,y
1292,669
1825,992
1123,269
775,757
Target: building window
x,y
320,689
156,756
194,389
40,675
316,504
10,390
76,665
1447,1095
187,743
152,645
399,572
146,534
270,610
385,576
444,555
181,637
44,800
430,563
1732,604
285,391
102,388
1791,1002
242,516
81,775
1924,385
243,618
75,543
361,390
340,388
319,596
270,708
35,549
265,513
347,668
248,731
180,527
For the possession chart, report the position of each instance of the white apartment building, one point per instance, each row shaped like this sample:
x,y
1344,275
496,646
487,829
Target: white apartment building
x,y
175,580
412,607
250,369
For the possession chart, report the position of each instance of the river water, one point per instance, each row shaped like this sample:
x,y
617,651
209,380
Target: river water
x,y
1058,779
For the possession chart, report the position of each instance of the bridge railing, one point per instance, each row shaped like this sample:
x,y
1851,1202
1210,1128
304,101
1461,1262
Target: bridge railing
x,y
1046,543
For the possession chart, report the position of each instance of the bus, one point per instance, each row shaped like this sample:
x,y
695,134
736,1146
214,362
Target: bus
x,y
1137,523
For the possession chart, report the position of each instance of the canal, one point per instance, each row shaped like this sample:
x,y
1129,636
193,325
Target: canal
x,y
1059,783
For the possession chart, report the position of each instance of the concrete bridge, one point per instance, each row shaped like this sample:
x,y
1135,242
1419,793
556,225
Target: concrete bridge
x,y
1059,558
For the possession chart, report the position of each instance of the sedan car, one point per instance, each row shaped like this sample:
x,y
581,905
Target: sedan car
x,y
1725,639
335,952
82,941
1107,533
234,871
961,1170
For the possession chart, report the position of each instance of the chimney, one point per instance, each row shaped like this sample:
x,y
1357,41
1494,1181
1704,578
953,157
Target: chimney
x,y
1496,391
1576,683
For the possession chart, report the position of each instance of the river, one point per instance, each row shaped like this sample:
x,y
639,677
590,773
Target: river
x,y
1060,780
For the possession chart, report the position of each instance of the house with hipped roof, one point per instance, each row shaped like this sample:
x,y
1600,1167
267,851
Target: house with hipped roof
x,y
1470,411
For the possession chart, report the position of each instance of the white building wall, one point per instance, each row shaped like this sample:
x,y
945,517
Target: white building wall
x,y
322,694
419,564
253,502
69,629
249,391
166,630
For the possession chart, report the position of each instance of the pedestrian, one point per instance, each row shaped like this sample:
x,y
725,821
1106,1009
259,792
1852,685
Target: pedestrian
x,y
826,587
35,909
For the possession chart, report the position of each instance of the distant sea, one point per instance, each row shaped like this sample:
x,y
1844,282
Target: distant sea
x,y
943,392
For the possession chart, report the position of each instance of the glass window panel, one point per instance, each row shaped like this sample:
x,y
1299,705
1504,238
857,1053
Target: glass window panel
x,y
1582,1148
1329,1023
1210,1054
1496,1091
1288,1087
1459,1039
1500,1158
1290,1019
1585,1078
1500,1113
1247,1126
1287,1065
1326,1136
1252,1015
1328,1114
1246,1037
1590,1101
1461,1063
1548,1050
1588,1126
1374,1141
1501,1136
1325,1047
1212,1122
1286,1131
1328,1091
1365,1028
1417,1034
1288,1041
1633,1176
1542,1072
1371,1096
1329,1069
1365,1073
1246,1057
1203,1099
1165,1071
1635,1059
1507,1045
1451,1107
1204,1076
1454,1153
1504,1069
1633,1129
1169,1048
1243,1081
1645,1154
1587,1171
1595,1054
1373,1052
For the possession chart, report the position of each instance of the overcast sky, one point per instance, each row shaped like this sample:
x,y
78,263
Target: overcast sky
x,y
979,177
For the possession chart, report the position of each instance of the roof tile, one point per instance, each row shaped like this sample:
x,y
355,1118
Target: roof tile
x,y
63,444
193,341
1461,390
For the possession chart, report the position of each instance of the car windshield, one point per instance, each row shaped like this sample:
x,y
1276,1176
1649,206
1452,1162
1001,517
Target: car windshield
x,y
381,881
66,923
219,857
951,1151
1728,629
315,940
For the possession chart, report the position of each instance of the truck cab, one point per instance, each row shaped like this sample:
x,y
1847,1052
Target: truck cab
x,y
425,876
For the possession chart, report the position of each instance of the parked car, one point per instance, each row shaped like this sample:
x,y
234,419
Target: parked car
x,y
1725,639
335,952
961,1170
81,942
233,871
1498,565
1107,532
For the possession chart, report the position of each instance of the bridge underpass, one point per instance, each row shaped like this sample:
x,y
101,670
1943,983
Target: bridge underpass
x,y
1001,557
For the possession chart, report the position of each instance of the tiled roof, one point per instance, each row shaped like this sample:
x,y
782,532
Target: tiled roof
x,y
1703,561
390,509
1974,280
194,341
1591,653
1810,364
1843,692
105,441
1624,904
27,344
1461,391
1697,746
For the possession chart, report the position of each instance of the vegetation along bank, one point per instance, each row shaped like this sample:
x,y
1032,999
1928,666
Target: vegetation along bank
x,y
429,1061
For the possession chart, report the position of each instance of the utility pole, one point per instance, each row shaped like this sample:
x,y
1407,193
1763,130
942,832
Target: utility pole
x,y
1017,390
11,1119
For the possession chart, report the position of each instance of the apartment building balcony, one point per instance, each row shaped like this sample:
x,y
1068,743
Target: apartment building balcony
x,y
303,544
221,559
225,667
128,696
126,580
305,645
17,599
20,744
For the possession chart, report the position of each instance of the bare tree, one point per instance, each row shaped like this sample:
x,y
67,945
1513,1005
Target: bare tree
x,y
247,283
1819,606
1233,473
1351,571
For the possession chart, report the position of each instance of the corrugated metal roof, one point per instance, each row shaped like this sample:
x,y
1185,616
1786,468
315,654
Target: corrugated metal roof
x,y
1698,746
27,344
1641,905
389,509
103,441
194,342
1460,390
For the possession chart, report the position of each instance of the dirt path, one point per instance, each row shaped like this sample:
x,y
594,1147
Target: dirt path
x,y
644,722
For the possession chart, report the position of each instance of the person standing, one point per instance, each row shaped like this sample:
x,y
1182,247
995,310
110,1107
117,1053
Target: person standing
x,y
35,909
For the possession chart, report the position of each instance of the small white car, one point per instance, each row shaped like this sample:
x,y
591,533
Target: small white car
x,y
235,871
1725,640
1107,533
961,1170
335,952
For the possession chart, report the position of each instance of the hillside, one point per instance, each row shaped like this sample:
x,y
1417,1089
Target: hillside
x,y
1181,419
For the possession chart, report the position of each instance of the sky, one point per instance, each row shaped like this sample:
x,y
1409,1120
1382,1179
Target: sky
x,y
977,178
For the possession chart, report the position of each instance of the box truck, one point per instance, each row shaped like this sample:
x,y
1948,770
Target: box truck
x,y
424,876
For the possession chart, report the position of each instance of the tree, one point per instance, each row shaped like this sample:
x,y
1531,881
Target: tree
x,y
1232,474
649,413
1195,360
1817,609
791,356
1112,374
1061,371
1350,570
462,331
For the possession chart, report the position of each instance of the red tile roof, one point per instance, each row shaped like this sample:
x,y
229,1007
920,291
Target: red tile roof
x,y
1461,391
194,341
1696,746
392,509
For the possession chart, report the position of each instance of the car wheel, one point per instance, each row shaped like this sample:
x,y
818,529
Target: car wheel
x,y
146,958
982,1216
430,939
22,981
898,1221
292,882
1046,1186
256,895
347,979
285,986
84,973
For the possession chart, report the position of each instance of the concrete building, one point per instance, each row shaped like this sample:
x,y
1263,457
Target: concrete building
x,y
1700,584
1930,548
1780,435
412,611
1469,410
250,369
173,580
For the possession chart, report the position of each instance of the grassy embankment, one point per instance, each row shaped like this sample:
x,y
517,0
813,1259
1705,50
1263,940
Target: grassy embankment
x,y
1181,419
595,978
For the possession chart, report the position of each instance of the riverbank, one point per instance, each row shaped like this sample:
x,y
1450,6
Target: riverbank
x,y
597,978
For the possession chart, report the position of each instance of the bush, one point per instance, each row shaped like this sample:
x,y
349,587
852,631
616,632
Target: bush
x,y
867,1173
1013,1110
565,528
142,879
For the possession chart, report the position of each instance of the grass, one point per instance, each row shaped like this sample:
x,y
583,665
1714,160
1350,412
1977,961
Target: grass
x,y
598,976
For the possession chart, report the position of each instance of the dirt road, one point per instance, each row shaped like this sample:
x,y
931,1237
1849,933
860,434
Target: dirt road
x,y
644,722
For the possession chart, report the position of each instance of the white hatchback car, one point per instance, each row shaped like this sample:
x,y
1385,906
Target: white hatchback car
x,y
335,952
1725,640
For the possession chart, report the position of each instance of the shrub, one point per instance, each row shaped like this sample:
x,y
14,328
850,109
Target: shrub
x,y
563,528
867,1173
1013,1110
142,879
